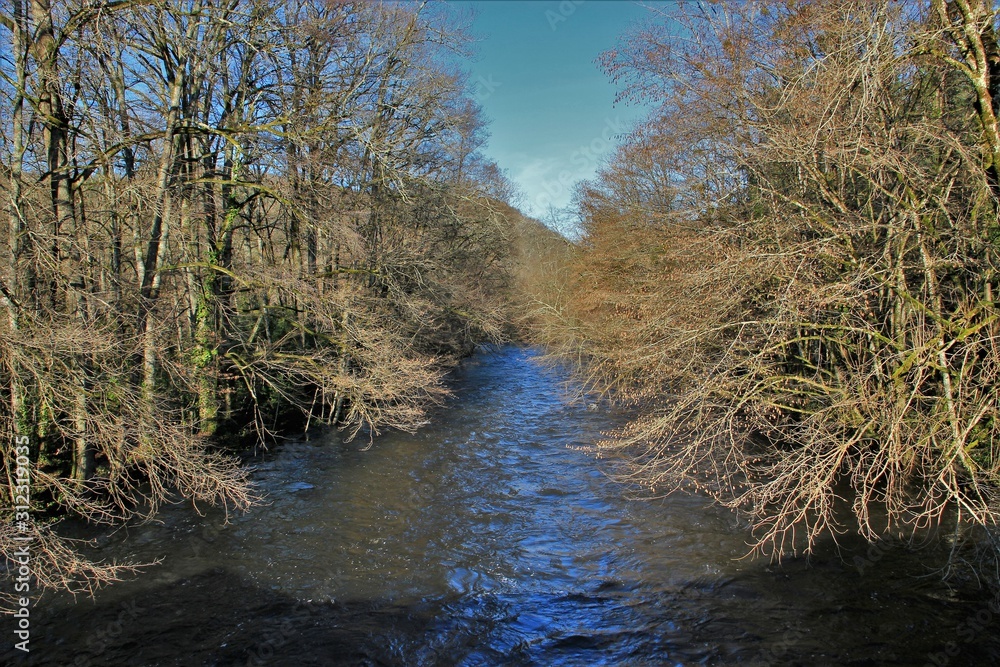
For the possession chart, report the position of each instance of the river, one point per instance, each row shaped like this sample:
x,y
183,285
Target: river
x,y
489,538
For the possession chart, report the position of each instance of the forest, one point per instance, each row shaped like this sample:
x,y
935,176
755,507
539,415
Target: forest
x,y
225,221
790,268
231,220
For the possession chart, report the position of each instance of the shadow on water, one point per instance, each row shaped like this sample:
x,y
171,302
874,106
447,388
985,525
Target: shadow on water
x,y
487,539
218,618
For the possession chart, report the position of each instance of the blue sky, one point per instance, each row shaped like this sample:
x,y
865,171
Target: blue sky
x,y
552,108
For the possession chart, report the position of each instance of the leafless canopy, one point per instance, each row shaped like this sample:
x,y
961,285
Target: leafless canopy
x,y
221,213
791,265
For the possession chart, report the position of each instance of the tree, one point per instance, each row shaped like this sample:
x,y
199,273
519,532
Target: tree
x,y
798,287
223,217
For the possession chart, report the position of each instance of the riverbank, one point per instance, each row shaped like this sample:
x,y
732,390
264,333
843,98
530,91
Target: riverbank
x,y
488,538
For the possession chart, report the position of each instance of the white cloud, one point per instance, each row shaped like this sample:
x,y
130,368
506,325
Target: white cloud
x,y
548,182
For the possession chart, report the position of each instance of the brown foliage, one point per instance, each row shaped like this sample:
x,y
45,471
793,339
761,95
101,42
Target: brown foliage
x,y
221,214
809,317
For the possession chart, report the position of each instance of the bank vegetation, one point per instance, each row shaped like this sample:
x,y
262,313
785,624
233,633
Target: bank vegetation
x,y
223,218
791,266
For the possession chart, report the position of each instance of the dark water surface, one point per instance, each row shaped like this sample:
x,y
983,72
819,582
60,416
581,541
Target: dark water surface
x,y
487,539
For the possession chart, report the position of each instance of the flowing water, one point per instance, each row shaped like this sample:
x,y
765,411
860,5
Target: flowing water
x,y
485,539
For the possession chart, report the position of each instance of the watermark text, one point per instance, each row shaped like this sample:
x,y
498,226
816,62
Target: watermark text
x,y
22,554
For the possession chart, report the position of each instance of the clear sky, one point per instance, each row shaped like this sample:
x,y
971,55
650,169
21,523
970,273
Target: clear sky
x,y
536,76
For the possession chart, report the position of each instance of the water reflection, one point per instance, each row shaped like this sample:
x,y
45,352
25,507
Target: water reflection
x,y
487,540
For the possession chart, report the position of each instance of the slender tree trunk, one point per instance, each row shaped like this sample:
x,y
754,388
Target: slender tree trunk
x,y
970,24
69,282
20,277
152,259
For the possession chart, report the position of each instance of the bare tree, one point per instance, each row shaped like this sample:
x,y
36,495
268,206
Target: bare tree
x,y
220,215
791,265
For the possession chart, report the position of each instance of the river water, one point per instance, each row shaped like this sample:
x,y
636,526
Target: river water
x,y
488,539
